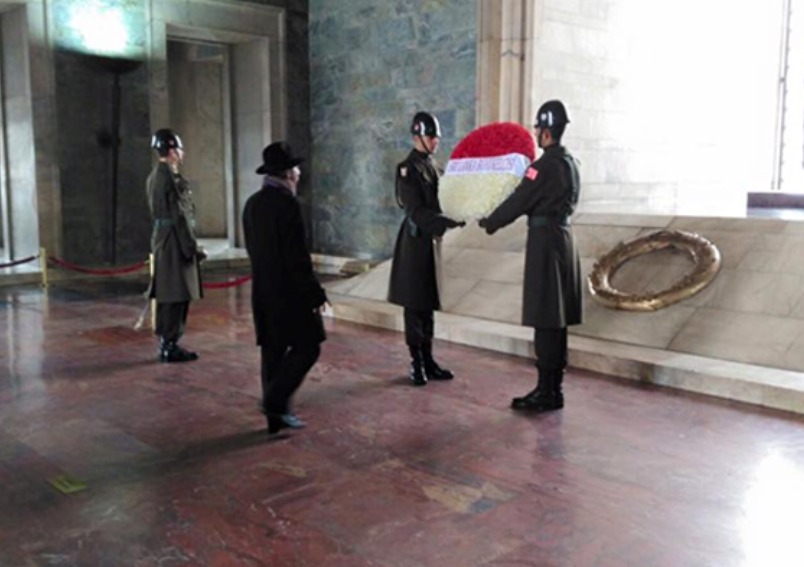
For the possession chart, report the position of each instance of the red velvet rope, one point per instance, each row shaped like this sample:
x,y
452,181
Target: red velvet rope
x,y
220,285
18,262
98,271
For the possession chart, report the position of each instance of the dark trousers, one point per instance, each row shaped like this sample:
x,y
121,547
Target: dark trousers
x,y
284,368
418,327
171,319
551,348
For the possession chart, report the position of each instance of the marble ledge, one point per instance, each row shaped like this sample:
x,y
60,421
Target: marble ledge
x,y
758,385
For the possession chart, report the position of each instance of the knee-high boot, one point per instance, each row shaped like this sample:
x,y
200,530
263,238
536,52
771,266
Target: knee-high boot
x,y
545,397
417,374
431,367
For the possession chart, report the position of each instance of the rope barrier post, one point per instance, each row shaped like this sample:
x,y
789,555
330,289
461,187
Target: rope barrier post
x,y
43,266
152,302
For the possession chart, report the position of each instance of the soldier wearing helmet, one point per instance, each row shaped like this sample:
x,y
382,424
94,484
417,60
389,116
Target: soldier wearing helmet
x,y
413,283
176,253
552,297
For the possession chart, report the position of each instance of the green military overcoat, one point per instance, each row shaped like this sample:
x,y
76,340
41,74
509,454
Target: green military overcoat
x,y
177,276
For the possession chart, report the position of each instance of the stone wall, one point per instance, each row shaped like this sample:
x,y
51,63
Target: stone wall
x,y
197,97
373,64
84,104
659,103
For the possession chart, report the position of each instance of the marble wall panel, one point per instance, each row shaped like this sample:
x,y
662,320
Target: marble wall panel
x,y
376,286
595,241
794,227
757,292
509,239
373,65
640,221
718,225
454,289
197,94
655,329
776,253
744,337
794,356
505,267
492,300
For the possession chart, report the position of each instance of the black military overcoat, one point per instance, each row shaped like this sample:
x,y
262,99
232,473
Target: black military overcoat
x,y
548,193
414,269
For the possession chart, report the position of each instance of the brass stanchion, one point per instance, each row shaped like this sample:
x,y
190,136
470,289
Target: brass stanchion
x,y
152,302
43,266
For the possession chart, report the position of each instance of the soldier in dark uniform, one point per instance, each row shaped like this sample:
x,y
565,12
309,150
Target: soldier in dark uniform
x,y
414,280
552,297
176,280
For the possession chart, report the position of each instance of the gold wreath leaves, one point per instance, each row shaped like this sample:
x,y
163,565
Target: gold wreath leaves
x,y
704,253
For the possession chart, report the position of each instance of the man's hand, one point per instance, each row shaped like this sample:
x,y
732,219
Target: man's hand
x,y
451,223
325,309
201,254
484,223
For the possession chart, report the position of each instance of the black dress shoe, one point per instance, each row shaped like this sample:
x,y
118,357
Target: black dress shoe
x,y
538,401
275,423
278,422
431,368
435,372
417,375
175,353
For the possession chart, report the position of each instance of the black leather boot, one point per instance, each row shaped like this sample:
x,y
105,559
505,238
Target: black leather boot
x,y
417,374
170,351
431,368
558,391
544,398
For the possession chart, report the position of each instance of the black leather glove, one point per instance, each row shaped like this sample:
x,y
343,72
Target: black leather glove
x,y
451,223
483,223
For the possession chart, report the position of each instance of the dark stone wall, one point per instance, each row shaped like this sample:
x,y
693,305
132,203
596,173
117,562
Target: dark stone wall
x,y
298,98
84,104
373,64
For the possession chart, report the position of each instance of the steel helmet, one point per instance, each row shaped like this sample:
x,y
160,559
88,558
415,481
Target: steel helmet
x,y
551,114
425,124
165,140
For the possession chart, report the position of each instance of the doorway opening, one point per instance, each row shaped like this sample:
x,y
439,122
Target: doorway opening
x,y
200,111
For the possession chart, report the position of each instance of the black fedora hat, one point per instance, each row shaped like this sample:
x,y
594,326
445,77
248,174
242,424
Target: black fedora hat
x,y
278,157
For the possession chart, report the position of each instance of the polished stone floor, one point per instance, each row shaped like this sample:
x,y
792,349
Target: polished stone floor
x,y
169,465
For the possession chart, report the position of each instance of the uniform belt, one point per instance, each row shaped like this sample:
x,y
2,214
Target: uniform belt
x,y
161,223
537,221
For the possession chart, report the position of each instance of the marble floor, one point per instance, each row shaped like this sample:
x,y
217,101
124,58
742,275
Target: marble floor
x,y
108,458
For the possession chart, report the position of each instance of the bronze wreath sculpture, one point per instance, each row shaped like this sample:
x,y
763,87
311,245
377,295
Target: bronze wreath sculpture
x,y
704,254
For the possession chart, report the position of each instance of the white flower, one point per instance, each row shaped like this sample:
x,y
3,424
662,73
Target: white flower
x,y
472,188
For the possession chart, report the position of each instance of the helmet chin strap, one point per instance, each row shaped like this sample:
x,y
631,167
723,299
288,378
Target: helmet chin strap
x,y
424,143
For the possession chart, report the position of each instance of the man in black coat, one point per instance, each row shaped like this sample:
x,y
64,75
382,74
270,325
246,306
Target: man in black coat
x,y
552,296
286,297
176,277
414,270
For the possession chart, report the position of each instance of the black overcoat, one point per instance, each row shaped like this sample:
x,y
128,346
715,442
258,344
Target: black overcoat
x,y
177,276
552,290
285,292
415,266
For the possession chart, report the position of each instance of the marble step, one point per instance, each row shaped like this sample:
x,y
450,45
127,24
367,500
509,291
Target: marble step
x,y
758,385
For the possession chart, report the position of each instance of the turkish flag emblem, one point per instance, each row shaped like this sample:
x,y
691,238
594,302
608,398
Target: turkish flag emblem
x,y
532,173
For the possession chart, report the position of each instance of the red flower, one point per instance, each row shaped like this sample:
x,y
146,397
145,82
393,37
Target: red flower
x,y
496,139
